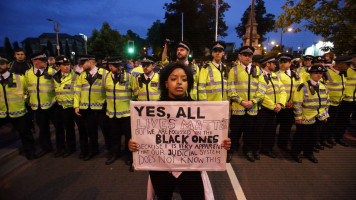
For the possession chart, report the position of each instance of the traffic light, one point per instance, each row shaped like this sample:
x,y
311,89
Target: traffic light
x,y
131,47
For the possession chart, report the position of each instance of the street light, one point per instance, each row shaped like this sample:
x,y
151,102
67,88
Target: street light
x,y
289,30
56,29
85,39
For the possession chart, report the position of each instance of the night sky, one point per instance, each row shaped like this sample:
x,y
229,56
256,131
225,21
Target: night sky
x,y
20,19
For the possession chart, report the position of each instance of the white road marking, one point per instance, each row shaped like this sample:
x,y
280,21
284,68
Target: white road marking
x,y
235,183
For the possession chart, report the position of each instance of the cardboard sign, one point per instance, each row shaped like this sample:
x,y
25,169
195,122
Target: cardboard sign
x,y
179,135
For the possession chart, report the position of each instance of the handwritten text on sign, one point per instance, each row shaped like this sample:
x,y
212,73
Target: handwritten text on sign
x,y
179,136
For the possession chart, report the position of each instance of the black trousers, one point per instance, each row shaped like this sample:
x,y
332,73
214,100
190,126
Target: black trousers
x,y
305,138
266,129
66,137
43,118
23,125
346,109
190,185
119,127
333,127
89,123
243,124
285,119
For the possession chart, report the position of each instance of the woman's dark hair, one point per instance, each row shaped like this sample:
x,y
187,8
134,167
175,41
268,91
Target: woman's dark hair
x,y
166,71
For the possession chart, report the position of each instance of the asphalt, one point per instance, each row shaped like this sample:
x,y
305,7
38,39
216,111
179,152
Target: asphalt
x,y
334,177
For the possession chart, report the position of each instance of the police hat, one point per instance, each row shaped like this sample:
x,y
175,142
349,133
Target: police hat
x,y
317,69
219,45
115,61
147,60
344,59
269,60
308,57
257,58
318,59
3,61
84,58
246,49
62,60
39,56
285,57
185,45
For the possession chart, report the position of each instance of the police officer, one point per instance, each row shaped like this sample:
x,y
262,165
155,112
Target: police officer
x,y
285,117
307,60
138,69
19,66
335,82
273,102
213,76
118,95
89,104
310,102
42,99
246,88
64,81
12,107
183,51
145,86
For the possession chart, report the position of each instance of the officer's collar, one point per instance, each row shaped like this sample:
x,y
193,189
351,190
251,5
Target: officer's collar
x,y
35,70
146,77
216,64
314,83
265,72
5,75
288,72
94,71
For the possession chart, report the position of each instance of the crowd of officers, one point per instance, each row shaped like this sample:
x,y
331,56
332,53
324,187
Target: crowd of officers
x,y
318,96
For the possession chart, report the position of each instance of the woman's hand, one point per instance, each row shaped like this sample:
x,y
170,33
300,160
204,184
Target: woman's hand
x,y
226,144
133,145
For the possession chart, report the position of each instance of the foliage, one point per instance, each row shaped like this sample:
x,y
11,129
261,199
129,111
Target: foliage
x,y
265,21
334,20
8,52
15,45
139,43
50,48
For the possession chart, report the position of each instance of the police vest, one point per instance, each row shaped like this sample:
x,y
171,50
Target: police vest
x,y
212,83
336,86
12,97
41,89
118,95
290,83
310,103
275,92
144,90
350,86
242,86
90,92
137,71
64,88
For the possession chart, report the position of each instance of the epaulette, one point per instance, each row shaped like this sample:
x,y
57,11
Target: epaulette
x,y
205,66
254,71
300,87
57,77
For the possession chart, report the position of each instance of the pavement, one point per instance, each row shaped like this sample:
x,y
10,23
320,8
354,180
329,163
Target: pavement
x,y
334,177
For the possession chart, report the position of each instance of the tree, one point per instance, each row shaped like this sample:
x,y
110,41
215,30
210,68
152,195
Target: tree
x,y
68,52
28,48
107,42
334,20
50,48
9,53
15,45
265,21
61,51
155,37
199,23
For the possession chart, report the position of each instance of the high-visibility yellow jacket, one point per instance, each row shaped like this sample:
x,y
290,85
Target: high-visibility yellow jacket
x,y
212,83
137,71
245,87
290,83
275,92
88,95
41,89
12,97
118,95
309,105
146,92
350,86
64,88
196,71
336,85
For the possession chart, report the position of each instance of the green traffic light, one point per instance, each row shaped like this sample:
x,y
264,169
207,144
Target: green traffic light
x,y
190,55
131,50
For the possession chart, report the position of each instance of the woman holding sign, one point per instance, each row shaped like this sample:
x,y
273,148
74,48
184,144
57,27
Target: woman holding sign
x,y
176,81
